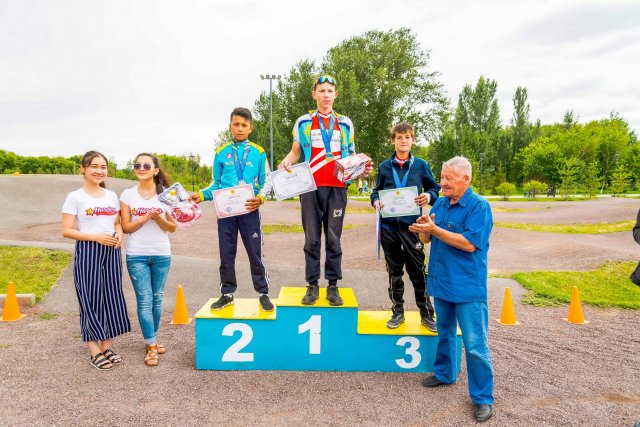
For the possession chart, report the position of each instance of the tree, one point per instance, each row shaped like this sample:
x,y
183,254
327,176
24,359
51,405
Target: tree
x,y
591,179
521,125
620,180
382,78
569,173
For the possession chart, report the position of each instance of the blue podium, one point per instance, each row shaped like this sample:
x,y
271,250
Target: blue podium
x,y
320,337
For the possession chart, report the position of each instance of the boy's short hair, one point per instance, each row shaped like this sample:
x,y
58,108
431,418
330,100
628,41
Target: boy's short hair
x,y
242,112
403,127
324,78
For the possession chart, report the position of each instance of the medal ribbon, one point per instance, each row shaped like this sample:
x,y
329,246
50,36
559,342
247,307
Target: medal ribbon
x,y
240,164
327,134
396,178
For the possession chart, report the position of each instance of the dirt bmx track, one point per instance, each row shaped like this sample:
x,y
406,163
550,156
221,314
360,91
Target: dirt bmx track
x,y
548,372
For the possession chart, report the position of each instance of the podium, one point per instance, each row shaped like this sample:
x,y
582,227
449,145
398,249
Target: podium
x,y
296,337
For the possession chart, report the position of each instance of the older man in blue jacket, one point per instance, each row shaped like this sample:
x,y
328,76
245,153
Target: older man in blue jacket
x,y
458,228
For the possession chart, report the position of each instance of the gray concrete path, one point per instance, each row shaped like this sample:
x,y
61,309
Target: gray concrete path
x,y
200,280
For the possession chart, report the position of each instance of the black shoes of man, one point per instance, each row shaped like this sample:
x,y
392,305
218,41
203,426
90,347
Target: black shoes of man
x,y
481,413
313,293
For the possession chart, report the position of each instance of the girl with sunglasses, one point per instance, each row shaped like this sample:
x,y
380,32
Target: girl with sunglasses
x,y
148,223
97,266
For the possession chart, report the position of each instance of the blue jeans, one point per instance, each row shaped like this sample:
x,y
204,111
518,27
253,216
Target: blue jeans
x,y
473,318
148,275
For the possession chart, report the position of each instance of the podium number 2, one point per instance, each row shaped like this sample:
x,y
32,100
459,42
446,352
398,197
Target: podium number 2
x,y
313,325
412,351
233,353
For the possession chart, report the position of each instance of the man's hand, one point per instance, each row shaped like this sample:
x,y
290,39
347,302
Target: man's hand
x,y
195,197
253,204
378,205
424,224
423,199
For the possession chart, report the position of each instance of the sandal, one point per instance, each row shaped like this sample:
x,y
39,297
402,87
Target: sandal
x,y
151,358
100,362
113,357
161,349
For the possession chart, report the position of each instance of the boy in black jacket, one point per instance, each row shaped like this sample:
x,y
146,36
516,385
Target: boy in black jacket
x,y
403,248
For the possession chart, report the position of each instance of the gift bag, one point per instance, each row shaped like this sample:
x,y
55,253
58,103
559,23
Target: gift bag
x,y
183,210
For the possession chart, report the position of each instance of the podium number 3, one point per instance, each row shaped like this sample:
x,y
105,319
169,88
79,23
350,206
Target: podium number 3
x,y
313,325
233,353
412,351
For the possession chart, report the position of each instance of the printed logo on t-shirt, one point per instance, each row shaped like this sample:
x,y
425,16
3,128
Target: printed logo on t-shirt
x,y
141,211
110,210
337,213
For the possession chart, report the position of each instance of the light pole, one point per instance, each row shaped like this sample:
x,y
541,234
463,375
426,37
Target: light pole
x,y
192,160
271,78
481,162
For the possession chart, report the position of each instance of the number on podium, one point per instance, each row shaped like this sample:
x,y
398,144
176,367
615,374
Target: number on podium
x,y
246,335
412,351
313,325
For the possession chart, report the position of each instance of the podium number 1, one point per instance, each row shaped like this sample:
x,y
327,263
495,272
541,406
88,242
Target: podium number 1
x,y
313,325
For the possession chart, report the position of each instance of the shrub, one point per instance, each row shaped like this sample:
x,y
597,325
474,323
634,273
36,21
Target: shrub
x,y
506,190
533,188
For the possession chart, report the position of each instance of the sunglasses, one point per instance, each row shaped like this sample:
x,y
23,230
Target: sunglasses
x,y
325,79
145,166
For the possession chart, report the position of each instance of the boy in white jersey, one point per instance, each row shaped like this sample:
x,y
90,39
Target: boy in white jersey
x,y
322,136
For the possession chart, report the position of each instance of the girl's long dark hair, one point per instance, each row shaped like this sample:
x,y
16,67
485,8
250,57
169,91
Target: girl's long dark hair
x,y
88,158
161,179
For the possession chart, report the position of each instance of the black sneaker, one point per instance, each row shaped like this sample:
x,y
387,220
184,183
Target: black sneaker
x,y
430,323
310,298
396,320
333,296
225,300
266,303
483,413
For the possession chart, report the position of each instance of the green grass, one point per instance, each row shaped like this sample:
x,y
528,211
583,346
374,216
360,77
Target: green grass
x,y
607,286
543,199
5,345
360,209
32,270
48,316
596,228
296,228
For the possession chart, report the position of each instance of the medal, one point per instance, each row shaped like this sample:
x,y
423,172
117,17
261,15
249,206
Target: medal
x,y
327,134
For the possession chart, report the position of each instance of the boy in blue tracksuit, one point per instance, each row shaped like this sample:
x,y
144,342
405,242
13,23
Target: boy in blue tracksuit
x,y
236,163
403,248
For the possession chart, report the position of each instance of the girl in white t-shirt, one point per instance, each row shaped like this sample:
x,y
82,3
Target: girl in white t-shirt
x,y
97,266
148,223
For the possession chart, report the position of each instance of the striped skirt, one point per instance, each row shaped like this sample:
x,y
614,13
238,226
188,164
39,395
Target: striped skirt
x,y
97,273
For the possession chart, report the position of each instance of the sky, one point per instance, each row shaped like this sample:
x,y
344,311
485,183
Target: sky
x,y
125,76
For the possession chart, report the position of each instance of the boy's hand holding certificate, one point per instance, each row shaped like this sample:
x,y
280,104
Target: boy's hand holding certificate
x,y
232,201
295,180
399,202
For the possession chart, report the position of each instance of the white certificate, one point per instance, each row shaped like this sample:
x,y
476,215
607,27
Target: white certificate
x,y
231,201
399,202
298,179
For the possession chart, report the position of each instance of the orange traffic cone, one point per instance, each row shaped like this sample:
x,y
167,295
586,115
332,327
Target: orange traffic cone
x,y
575,309
508,316
11,311
180,315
